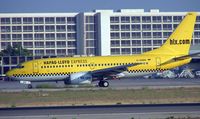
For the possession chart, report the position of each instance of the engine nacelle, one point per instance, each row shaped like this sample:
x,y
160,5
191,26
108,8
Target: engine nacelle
x,y
79,78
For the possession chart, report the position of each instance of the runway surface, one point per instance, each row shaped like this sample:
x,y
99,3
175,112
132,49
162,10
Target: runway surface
x,y
105,111
123,83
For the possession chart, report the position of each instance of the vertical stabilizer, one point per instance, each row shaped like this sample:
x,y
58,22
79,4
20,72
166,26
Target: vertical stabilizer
x,y
179,41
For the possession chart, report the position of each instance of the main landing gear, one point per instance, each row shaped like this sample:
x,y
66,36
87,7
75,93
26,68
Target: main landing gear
x,y
103,83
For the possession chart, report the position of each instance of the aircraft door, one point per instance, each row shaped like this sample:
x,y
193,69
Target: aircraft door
x,y
158,62
92,66
35,67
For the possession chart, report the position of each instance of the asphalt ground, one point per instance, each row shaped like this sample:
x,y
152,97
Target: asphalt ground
x,y
115,84
103,112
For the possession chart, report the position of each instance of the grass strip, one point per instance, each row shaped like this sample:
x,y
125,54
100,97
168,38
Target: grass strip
x,y
99,97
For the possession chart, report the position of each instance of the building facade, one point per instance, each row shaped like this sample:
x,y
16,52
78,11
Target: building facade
x,y
101,32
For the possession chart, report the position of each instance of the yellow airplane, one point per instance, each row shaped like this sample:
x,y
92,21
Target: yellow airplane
x,y
83,70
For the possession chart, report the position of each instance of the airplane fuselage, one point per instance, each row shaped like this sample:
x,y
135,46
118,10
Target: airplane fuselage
x,y
60,68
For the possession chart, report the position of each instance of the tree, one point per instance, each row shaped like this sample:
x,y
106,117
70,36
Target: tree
x,y
15,51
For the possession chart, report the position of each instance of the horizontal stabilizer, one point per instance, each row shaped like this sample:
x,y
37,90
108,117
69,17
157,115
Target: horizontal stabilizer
x,y
180,58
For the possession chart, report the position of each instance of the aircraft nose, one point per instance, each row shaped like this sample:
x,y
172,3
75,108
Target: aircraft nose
x,y
9,73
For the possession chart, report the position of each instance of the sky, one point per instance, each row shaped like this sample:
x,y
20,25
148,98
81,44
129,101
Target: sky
x,y
24,6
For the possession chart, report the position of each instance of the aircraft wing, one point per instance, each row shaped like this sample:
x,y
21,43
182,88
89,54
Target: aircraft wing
x,y
112,70
180,58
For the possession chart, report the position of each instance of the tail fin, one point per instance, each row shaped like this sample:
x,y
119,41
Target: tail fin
x,y
180,40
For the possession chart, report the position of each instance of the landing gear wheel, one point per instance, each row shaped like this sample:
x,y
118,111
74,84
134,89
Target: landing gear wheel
x,y
103,83
30,86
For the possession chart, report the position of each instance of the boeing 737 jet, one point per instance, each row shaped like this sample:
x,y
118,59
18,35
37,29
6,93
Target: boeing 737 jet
x,y
83,70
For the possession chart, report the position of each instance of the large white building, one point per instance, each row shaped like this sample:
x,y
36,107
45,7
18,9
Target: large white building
x,y
101,32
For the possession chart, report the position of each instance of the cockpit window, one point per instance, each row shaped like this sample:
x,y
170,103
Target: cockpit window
x,y
19,66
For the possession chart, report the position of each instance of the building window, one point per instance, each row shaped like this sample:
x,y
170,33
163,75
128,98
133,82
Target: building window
x,y
135,19
146,34
90,35
157,27
115,51
39,36
115,43
16,29
157,35
146,27
5,20
167,18
136,35
71,36
49,20
175,26
157,42
50,36
39,44
114,19
16,21
28,44
115,36
28,36
71,20
89,19
166,34
125,35
114,27
90,43
71,28
61,52
50,52
39,20
5,29
61,36
50,44
27,20
135,27
71,51
71,44
136,50
177,18
198,19
15,44
136,42
197,27
60,28
146,19
61,44
126,51
60,20
16,36
90,51
4,45
197,41
5,37
125,43
49,28
146,42
125,19
156,19
27,28
39,28
196,34
39,52
167,26
125,27
146,49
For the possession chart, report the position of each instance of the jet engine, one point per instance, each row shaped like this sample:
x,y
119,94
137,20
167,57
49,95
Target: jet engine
x,y
79,78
